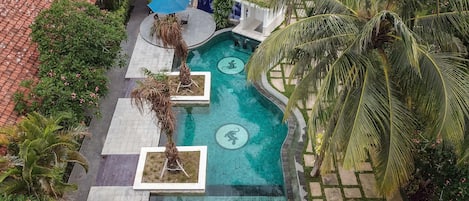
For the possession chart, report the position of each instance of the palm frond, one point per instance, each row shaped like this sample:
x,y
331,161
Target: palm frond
x,y
335,6
280,43
372,29
77,157
446,79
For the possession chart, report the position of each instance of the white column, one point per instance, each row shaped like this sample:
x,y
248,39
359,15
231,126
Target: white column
x,y
243,17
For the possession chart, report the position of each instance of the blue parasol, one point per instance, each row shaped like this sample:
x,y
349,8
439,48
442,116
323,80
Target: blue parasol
x,y
168,6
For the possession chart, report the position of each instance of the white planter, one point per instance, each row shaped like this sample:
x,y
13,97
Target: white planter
x,y
195,100
198,187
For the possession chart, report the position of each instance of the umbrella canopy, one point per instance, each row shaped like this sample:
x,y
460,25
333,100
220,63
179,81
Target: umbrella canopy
x,y
168,6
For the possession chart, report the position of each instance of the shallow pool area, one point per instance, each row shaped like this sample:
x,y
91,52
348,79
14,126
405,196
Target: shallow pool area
x,y
244,131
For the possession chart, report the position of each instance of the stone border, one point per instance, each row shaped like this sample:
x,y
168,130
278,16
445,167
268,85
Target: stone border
x,y
292,151
198,187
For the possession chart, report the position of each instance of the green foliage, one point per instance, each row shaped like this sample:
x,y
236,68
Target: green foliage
x,y
77,31
44,149
23,198
78,42
72,91
376,71
437,176
111,5
221,12
123,12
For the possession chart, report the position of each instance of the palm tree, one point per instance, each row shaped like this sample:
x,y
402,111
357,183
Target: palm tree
x,y
154,91
44,149
169,31
380,71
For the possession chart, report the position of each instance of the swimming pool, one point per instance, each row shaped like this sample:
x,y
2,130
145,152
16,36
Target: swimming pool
x,y
244,131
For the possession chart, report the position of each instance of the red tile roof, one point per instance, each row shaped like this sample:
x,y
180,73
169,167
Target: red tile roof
x,y
18,54
19,57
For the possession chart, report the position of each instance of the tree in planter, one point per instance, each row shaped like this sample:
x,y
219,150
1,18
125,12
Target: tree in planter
x,y
376,69
43,149
168,29
154,91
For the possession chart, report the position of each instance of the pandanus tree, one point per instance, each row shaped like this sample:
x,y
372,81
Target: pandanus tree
x,y
380,71
154,93
41,150
168,29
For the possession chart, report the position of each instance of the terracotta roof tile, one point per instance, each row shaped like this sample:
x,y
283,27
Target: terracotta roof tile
x,y
18,55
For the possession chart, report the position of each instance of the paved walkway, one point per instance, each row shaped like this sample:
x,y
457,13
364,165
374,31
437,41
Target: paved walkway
x,y
146,55
123,130
340,184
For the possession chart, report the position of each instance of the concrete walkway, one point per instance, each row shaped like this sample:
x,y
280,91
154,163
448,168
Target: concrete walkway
x,y
146,55
92,147
121,131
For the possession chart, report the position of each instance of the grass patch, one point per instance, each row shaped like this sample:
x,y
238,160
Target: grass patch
x,y
154,164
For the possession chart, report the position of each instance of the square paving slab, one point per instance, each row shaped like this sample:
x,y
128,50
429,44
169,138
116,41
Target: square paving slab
x,y
130,130
146,55
117,193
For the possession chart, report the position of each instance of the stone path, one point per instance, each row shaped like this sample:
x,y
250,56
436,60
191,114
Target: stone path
x,y
340,184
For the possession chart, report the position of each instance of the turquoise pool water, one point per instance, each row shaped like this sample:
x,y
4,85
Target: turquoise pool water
x,y
244,132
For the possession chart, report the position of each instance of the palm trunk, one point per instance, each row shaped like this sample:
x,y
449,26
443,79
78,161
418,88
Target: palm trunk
x,y
327,136
185,75
320,158
172,155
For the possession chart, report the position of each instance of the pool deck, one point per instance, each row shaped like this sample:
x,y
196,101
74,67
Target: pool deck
x,y
113,149
119,134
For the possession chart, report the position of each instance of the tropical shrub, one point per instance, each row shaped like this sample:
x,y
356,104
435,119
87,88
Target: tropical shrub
x,y
78,31
23,198
221,12
78,42
37,162
437,175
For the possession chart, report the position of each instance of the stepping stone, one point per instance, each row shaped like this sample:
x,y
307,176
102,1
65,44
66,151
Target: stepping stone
x,y
278,84
333,194
276,74
309,148
315,188
347,176
330,179
288,70
116,193
317,200
368,182
301,12
309,160
364,166
309,4
352,193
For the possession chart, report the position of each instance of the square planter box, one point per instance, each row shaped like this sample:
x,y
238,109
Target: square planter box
x,y
197,187
195,100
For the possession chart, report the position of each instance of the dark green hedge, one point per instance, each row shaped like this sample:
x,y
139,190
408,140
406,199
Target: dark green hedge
x,y
77,42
